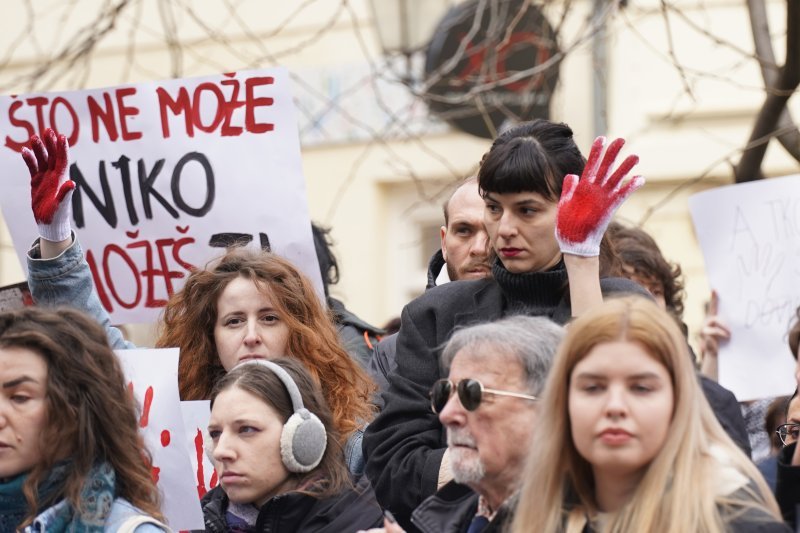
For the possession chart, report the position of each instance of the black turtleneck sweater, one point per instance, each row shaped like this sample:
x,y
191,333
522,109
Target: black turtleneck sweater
x,y
534,293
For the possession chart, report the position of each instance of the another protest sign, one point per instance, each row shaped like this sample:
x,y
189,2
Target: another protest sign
x,y
750,236
153,380
168,174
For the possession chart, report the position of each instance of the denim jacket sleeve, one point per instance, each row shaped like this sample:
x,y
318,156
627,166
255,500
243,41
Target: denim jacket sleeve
x,y
67,280
353,454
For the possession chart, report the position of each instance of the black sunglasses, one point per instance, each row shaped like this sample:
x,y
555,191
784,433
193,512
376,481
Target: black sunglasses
x,y
470,394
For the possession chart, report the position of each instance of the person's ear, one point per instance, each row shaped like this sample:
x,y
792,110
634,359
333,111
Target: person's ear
x,y
442,236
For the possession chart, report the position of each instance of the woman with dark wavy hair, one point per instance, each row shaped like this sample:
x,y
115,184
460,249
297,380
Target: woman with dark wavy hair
x,y
245,305
71,456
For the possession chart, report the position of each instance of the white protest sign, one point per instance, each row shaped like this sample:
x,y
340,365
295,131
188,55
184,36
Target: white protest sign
x,y
195,419
168,173
750,237
153,377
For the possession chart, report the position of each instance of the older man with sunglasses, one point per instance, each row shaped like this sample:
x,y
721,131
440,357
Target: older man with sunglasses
x,y
496,371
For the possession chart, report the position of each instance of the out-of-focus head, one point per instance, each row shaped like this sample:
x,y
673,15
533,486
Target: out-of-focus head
x,y
793,410
23,409
643,262
794,335
792,429
251,409
625,430
626,361
465,244
774,417
61,387
488,433
620,408
794,344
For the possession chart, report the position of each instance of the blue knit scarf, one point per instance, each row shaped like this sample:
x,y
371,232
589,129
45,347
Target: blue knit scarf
x,y
96,498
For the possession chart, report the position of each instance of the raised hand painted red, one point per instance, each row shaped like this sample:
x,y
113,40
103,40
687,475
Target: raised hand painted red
x,y
51,190
587,204
47,164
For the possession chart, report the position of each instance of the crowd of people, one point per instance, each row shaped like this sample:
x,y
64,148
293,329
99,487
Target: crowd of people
x,y
542,382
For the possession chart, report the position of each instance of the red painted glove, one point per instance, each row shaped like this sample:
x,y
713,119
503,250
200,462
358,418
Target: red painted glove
x,y
51,191
587,205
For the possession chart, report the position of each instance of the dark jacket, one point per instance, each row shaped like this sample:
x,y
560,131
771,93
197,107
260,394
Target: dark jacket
x,y
351,510
452,509
383,358
726,408
787,485
358,337
405,443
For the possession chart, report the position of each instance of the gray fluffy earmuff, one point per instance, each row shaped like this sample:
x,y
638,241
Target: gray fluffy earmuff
x,y
303,438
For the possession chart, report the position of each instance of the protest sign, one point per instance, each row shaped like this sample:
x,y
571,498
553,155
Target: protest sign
x,y
195,420
153,379
168,174
750,237
15,296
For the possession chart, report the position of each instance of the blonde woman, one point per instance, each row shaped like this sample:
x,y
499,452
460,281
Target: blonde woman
x,y
627,442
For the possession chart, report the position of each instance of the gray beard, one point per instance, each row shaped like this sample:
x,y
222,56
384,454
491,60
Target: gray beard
x,y
467,470
465,464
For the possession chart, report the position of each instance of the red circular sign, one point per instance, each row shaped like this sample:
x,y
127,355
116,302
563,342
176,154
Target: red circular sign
x,y
485,67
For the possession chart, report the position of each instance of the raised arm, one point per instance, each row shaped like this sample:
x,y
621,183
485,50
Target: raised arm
x,y
713,333
57,271
51,191
584,212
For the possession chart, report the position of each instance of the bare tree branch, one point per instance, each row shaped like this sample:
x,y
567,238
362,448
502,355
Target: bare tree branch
x,y
769,71
687,87
749,167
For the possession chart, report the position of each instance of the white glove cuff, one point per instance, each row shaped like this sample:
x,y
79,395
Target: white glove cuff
x,y
56,231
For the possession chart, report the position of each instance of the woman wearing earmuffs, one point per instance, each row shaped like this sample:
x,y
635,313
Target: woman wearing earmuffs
x,y
274,448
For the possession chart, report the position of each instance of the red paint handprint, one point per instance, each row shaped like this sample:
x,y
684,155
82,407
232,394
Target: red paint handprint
x,y
587,205
50,189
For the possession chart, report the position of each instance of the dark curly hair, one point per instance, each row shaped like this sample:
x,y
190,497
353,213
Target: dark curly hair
x,y
639,252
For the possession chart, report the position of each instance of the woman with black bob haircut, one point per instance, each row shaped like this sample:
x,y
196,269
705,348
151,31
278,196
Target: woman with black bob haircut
x,y
275,449
535,157
71,457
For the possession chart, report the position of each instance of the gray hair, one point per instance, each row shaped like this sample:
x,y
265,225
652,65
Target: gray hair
x,y
533,341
